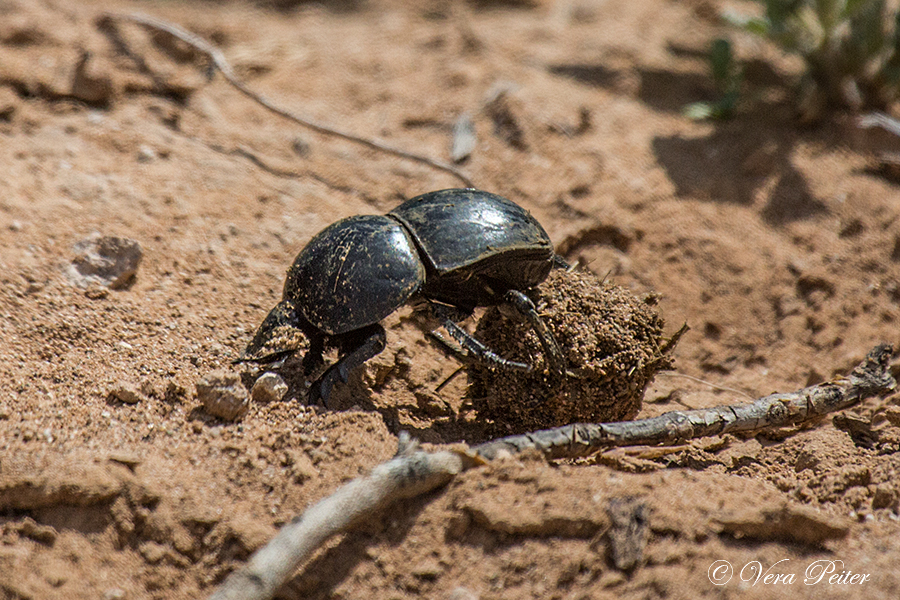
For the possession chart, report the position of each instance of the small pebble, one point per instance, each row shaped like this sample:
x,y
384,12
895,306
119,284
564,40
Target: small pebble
x,y
462,593
270,387
223,396
105,260
152,552
92,83
125,458
126,392
44,534
146,153
428,570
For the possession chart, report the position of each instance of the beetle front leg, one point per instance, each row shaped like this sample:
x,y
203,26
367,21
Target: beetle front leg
x,y
475,348
313,360
560,263
524,306
366,343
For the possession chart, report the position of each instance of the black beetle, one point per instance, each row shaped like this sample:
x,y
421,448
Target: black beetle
x,y
453,249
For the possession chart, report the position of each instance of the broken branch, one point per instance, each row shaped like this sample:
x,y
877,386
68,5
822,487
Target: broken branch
x,y
217,58
869,378
414,472
411,473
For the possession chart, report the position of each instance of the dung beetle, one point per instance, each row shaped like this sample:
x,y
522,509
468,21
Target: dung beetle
x,y
452,250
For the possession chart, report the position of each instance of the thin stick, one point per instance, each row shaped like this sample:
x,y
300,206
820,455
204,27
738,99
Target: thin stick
x,y
869,378
219,62
882,120
414,472
721,388
411,473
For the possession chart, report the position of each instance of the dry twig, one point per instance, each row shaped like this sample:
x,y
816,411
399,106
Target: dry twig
x,y
410,473
413,472
869,378
876,119
215,56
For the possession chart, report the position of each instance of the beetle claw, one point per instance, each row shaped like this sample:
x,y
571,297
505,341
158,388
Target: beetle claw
x,y
518,302
320,390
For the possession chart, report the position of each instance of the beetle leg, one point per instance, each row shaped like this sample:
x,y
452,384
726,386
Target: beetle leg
x,y
525,307
475,348
560,263
450,347
313,359
369,341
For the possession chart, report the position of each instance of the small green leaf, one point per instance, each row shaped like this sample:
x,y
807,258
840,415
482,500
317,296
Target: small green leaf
x,y
866,40
721,62
755,25
779,11
829,13
851,7
721,109
698,111
840,41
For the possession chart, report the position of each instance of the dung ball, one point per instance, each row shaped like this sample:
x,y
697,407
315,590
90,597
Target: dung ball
x,y
613,344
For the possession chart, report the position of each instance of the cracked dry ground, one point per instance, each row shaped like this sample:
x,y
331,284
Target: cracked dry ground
x,y
777,244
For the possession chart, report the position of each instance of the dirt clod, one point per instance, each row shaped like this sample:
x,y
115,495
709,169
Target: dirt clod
x,y
223,396
40,533
793,523
126,392
105,260
612,342
73,483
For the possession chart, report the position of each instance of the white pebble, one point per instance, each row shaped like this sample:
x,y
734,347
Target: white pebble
x,y
270,387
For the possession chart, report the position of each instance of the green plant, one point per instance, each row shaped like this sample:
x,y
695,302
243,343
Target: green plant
x,y
727,77
851,49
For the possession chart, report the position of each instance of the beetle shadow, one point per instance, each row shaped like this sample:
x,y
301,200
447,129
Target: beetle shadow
x,y
356,395
417,420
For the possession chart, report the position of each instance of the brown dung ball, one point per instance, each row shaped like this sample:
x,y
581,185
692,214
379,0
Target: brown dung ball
x,y
613,344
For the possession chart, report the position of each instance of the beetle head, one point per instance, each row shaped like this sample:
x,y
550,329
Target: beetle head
x,y
277,336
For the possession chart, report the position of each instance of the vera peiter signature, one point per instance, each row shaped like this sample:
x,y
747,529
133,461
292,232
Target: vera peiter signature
x,y
822,571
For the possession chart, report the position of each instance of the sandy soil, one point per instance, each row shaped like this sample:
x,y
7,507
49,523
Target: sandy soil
x,y
778,245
